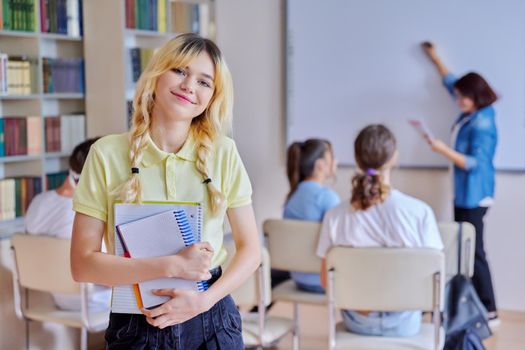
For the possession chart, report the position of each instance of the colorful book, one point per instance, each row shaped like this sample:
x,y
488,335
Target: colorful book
x,y
158,235
125,298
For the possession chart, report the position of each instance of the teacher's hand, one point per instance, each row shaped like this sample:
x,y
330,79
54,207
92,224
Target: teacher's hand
x,y
430,50
437,145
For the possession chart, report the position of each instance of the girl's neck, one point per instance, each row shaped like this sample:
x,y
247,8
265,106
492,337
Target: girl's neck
x,y
67,189
385,176
169,136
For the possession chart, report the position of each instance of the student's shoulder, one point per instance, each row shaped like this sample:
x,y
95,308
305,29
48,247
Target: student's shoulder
x,y
112,141
405,202
329,197
114,146
224,143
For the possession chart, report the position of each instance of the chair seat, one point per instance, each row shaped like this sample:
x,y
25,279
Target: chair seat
x,y
275,328
422,341
287,291
49,313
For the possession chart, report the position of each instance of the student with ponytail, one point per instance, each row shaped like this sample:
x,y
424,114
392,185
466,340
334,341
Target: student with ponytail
x,y
310,164
378,216
176,151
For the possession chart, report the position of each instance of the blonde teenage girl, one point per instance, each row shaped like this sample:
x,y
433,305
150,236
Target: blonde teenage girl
x,y
176,151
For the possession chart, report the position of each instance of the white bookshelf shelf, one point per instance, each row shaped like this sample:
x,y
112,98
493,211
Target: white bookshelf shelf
x,y
19,33
56,36
24,158
63,96
20,97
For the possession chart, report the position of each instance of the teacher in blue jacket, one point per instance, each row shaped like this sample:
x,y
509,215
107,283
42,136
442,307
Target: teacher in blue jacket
x,y
474,137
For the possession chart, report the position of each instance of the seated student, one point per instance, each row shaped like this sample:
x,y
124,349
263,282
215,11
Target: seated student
x,y
310,165
51,213
378,216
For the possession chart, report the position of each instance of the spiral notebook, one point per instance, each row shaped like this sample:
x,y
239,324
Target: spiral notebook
x,y
159,235
129,298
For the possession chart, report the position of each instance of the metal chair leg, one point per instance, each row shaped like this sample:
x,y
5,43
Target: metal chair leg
x,y
83,339
295,336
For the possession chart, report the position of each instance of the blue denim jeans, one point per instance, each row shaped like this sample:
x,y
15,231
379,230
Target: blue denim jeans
x,y
387,324
219,328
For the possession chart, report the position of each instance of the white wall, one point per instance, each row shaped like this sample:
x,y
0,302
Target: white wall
x,y
251,35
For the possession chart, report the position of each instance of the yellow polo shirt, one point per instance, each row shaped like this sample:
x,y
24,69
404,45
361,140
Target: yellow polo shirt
x,y
164,177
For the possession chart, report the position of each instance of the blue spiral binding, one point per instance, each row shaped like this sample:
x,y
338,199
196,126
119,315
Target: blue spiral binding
x,y
188,238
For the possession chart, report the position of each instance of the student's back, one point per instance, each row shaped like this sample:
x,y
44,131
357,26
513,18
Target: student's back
x,y
378,216
400,221
310,202
310,164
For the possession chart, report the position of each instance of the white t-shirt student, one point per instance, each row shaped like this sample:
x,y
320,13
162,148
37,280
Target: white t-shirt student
x,y
400,221
51,214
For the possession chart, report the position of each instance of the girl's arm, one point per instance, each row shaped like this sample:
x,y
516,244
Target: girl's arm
x,y
187,304
89,264
430,50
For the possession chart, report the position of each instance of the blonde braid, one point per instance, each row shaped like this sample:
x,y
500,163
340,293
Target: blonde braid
x,y
131,190
203,145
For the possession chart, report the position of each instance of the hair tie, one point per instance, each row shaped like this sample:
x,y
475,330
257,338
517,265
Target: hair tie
x,y
207,181
134,170
372,172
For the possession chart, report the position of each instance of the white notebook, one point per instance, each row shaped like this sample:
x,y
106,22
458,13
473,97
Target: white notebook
x,y
159,235
124,299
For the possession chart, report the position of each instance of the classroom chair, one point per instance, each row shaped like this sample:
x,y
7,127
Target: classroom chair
x,y
258,329
41,263
292,246
449,236
386,279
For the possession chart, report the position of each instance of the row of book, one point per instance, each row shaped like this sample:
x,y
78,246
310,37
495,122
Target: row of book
x,y
17,15
139,59
63,75
23,135
17,75
64,132
16,194
146,15
193,18
61,16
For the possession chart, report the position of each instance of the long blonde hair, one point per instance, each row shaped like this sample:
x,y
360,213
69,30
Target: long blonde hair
x,y
205,128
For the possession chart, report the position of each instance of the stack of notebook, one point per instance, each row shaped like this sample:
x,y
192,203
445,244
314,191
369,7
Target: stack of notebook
x,y
150,230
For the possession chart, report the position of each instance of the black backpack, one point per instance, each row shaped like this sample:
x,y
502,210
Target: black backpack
x,y
465,317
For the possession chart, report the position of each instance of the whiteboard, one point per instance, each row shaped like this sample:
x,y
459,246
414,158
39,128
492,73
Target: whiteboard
x,y
350,63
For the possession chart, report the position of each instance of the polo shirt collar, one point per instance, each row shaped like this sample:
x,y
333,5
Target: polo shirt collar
x,y
153,154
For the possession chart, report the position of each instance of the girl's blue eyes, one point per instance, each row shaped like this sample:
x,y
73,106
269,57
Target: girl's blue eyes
x,y
183,73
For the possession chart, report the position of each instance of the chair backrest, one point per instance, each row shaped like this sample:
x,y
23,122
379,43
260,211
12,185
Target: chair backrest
x,y
292,244
258,283
42,263
387,279
449,236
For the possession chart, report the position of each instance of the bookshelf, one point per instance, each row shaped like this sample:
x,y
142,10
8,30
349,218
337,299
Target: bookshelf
x,y
44,84
112,30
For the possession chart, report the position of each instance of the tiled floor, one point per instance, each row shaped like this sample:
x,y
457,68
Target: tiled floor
x,y
509,335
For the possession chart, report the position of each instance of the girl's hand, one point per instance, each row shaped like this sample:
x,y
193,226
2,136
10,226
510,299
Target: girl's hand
x,y
184,305
194,262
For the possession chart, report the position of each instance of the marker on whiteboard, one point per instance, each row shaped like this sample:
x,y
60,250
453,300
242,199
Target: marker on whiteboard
x,y
422,128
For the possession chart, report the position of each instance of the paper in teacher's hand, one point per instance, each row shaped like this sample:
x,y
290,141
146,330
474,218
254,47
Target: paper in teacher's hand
x,y
422,128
